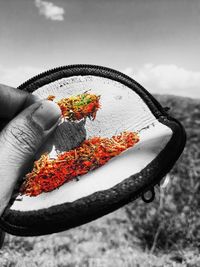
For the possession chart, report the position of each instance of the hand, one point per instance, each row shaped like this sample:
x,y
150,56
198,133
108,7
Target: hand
x,y
28,122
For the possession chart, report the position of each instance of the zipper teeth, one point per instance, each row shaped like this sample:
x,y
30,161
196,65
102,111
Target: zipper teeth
x,y
109,70
53,70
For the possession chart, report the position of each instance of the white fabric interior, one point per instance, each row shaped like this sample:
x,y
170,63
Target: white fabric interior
x,y
121,109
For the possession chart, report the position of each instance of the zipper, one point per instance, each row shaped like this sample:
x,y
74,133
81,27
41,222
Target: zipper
x,y
164,116
100,68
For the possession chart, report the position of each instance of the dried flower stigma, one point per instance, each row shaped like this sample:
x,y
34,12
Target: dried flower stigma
x,y
78,107
49,174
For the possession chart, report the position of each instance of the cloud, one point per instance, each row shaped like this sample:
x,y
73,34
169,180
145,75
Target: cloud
x,y
167,79
49,10
15,76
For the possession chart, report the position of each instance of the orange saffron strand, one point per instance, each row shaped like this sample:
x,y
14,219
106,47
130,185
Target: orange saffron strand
x,y
78,107
49,174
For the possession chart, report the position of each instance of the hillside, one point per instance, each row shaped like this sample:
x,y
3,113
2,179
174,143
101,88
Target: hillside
x,y
163,233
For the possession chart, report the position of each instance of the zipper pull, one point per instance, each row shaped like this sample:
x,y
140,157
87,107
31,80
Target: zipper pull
x,y
149,196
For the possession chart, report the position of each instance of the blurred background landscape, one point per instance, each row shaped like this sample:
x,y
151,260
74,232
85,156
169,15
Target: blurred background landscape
x,y
157,43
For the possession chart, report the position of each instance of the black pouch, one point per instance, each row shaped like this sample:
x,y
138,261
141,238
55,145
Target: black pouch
x,y
125,106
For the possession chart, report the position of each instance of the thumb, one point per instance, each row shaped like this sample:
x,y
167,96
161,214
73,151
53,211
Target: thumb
x,y
19,142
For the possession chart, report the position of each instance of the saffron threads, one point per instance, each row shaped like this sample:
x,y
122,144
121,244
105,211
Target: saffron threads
x,y
78,107
49,174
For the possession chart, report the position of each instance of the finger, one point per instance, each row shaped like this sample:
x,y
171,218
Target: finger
x,y
19,142
12,101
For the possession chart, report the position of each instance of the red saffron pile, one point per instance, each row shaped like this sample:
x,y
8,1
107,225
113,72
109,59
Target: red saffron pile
x,y
78,107
48,174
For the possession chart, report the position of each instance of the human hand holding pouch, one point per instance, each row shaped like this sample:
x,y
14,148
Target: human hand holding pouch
x,y
115,143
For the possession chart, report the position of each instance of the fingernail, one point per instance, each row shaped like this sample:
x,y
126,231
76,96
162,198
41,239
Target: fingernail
x,y
46,115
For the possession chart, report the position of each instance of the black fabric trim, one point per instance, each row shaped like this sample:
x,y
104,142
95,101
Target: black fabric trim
x,y
64,216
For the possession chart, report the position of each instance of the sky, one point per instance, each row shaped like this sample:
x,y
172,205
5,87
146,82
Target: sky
x,y
156,42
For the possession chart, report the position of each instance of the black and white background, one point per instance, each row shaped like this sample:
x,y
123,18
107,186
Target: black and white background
x,y
157,43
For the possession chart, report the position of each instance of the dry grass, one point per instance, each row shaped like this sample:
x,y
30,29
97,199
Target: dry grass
x,y
103,242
